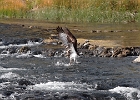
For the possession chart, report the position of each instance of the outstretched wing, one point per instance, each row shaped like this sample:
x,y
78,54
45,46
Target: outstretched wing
x,y
67,37
62,36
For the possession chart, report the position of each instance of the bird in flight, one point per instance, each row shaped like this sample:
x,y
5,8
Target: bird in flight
x,y
69,41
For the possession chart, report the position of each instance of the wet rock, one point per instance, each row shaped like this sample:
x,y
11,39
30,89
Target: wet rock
x,y
36,40
116,51
122,52
136,51
24,49
3,80
7,93
126,52
92,47
106,52
85,45
24,82
60,53
98,51
52,40
51,53
12,50
102,86
36,52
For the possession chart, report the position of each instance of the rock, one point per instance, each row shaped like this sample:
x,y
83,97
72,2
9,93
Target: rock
x,y
116,51
106,52
51,53
36,40
36,52
12,50
126,52
85,45
136,51
99,50
96,31
92,47
24,82
3,80
52,41
122,52
7,93
24,49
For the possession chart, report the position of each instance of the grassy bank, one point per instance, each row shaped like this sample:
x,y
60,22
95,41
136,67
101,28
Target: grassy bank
x,y
103,11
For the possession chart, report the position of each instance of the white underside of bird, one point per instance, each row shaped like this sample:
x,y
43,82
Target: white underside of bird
x,y
73,54
69,42
136,60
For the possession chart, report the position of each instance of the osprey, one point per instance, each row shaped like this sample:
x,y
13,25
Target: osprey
x,y
69,41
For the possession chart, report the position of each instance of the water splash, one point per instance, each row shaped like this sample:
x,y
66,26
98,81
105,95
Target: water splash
x,y
9,75
61,63
61,86
29,43
129,92
39,56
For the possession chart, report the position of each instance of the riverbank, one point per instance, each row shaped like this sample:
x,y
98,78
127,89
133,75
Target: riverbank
x,y
83,11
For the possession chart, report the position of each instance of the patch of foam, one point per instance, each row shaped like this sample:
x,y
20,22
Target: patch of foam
x,y
9,75
9,69
129,92
60,63
61,86
24,55
39,56
20,45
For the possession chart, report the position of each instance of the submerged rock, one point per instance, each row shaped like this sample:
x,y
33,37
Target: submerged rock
x,y
7,93
24,82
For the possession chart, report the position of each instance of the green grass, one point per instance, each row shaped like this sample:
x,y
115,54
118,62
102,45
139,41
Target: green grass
x,y
89,15
89,11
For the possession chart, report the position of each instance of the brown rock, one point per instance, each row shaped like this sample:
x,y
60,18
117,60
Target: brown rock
x,y
24,49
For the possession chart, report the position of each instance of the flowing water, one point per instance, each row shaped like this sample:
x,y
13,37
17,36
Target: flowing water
x,y
28,76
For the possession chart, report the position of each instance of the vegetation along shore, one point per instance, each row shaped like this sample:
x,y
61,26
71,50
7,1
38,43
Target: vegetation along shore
x,y
100,11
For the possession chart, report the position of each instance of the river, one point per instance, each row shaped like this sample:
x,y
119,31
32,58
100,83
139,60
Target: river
x,y
37,76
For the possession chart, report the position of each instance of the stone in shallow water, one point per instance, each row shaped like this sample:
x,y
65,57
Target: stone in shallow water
x,y
7,93
25,82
